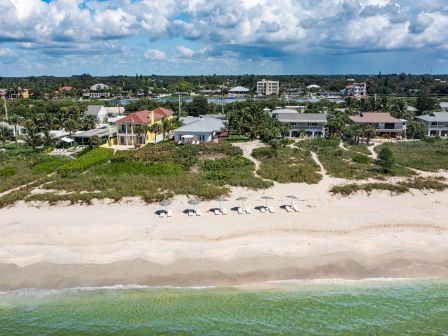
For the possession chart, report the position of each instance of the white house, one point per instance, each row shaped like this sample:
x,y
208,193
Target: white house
x,y
311,124
238,91
97,91
202,129
436,123
102,113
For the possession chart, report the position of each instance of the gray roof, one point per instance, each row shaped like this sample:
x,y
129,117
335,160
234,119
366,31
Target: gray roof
x,y
302,117
101,132
434,117
239,89
93,110
283,111
444,104
202,125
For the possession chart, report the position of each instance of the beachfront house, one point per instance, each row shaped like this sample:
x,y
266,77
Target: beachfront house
x,y
383,123
311,125
128,134
436,123
199,129
103,134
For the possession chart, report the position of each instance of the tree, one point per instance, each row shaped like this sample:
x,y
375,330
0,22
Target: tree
x,y
139,130
32,137
386,159
88,123
167,126
15,121
425,103
369,133
4,134
199,106
95,141
415,130
155,130
71,125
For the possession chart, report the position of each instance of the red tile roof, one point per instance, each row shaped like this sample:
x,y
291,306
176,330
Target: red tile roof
x,y
142,117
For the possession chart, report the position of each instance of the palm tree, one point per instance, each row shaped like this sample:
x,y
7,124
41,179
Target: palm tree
x,y
167,126
154,129
32,138
15,121
369,133
71,125
4,132
139,130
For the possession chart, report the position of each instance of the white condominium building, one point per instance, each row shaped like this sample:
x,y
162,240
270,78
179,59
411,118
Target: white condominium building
x,y
268,88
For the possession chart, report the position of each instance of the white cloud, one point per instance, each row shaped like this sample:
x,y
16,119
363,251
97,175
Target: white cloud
x,y
155,54
185,52
4,52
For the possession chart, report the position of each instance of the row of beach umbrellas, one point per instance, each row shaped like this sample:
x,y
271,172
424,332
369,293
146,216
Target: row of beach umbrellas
x,y
194,201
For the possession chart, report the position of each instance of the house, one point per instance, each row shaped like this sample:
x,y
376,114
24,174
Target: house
x,y
15,130
268,88
238,91
64,89
436,123
127,135
383,123
312,125
103,134
202,129
97,91
102,113
356,90
3,93
18,93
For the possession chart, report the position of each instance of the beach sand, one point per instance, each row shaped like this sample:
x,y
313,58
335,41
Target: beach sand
x,y
126,243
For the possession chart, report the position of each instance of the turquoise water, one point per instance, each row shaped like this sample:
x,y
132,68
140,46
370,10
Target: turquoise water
x,y
352,308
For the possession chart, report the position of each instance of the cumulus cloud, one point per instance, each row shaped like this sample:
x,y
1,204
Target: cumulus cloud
x,y
5,52
155,54
185,52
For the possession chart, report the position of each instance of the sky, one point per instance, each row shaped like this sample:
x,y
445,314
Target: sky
x,y
193,37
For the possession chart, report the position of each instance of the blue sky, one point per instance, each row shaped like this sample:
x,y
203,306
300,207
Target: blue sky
x,y
182,37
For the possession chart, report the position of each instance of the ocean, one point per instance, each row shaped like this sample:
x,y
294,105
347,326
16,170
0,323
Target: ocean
x,y
368,307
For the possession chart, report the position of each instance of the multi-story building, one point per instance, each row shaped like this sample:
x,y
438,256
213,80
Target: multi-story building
x,y
97,91
436,123
356,90
268,88
383,123
311,125
127,133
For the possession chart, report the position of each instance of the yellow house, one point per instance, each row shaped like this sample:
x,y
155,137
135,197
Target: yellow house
x,y
128,127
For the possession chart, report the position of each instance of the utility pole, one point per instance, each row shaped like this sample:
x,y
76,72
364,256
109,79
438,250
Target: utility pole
x,y
179,104
6,109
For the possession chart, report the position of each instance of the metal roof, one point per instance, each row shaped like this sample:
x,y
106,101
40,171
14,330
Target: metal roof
x,y
301,117
434,117
202,125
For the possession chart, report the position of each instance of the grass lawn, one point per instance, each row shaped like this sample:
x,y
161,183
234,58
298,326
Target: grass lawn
x,y
428,155
287,165
348,164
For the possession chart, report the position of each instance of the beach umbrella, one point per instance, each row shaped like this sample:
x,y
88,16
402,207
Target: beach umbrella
x,y
166,202
292,197
194,201
242,199
220,200
267,198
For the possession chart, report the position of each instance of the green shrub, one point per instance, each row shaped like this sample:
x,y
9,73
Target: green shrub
x,y
7,171
361,158
84,162
49,165
227,163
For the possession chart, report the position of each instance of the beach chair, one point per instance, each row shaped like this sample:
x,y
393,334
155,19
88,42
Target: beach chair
x,y
240,211
224,211
216,212
271,209
198,212
296,208
288,208
248,211
169,213
262,209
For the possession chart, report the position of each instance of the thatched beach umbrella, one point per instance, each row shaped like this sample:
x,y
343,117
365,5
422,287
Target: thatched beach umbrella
x,y
166,202
242,199
292,197
220,200
267,198
194,201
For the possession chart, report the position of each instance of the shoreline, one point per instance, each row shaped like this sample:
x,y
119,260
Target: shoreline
x,y
356,237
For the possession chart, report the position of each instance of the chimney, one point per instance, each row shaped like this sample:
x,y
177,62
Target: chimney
x,y
151,117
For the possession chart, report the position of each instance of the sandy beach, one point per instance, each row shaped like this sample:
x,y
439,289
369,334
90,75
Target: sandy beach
x,y
126,243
